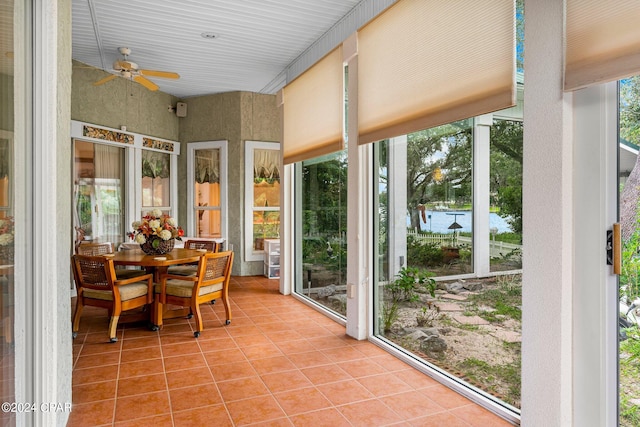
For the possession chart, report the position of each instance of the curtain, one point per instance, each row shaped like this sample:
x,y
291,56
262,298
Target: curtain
x,y
107,161
207,166
5,158
266,164
155,164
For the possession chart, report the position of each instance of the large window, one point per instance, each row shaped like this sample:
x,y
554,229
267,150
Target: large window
x,y
207,173
321,218
262,200
98,191
156,181
427,299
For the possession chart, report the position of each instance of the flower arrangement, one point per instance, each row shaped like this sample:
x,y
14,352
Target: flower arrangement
x,y
6,231
156,232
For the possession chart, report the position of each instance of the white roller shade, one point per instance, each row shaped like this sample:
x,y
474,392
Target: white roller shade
x,y
602,41
313,107
425,63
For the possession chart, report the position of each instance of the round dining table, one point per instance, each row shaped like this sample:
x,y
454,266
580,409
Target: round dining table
x,y
158,265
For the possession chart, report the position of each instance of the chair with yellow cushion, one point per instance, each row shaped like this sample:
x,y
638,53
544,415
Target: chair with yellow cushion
x,y
106,248
97,286
192,269
210,282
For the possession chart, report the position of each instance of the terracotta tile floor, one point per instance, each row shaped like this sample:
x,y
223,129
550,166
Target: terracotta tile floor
x,y
279,363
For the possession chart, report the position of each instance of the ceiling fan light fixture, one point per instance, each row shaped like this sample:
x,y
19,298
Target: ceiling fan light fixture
x,y
208,35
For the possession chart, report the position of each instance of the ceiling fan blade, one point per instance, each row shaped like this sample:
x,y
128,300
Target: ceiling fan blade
x,y
146,83
106,79
163,74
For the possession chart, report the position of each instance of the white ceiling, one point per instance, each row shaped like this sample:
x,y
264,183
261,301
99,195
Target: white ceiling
x,y
256,40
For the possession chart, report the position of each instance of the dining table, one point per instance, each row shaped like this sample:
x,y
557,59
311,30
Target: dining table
x,y
158,265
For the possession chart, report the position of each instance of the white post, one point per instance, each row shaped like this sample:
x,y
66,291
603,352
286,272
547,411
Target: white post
x,y
481,165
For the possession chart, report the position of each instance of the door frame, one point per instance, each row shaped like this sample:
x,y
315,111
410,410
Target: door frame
x,y
595,287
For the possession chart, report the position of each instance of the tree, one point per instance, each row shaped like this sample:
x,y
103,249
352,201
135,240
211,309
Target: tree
x,y
506,170
630,130
427,172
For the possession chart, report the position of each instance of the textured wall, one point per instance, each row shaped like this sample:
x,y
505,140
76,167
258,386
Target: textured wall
x,y
121,102
235,117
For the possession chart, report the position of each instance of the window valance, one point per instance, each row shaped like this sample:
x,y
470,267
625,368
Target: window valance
x,y
155,164
207,168
266,164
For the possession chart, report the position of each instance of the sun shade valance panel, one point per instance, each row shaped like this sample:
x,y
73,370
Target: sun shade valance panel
x,y
426,63
602,41
313,110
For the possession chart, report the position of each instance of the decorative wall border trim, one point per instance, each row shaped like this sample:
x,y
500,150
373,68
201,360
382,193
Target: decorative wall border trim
x,y
157,144
106,135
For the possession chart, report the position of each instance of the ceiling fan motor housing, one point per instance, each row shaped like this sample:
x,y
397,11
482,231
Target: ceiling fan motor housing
x,y
123,65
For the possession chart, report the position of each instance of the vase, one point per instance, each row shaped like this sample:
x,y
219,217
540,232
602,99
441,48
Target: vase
x,y
156,246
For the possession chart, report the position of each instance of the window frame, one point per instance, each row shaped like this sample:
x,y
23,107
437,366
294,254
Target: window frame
x,y
222,145
250,146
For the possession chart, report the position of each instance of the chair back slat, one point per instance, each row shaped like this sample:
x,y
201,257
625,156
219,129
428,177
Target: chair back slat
x,y
209,245
95,249
92,272
216,267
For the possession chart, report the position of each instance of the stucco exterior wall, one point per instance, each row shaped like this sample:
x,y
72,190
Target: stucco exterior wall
x,y
121,102
235,117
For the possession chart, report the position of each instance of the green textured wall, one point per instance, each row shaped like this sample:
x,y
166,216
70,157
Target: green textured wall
x,y
121,102
235,117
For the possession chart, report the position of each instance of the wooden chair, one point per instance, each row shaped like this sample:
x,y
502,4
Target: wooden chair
x,y
98,286
192,269
105,248
210,282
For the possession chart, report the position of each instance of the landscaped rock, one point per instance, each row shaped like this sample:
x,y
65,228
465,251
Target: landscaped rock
x,y
433,345
473,286
455,287
326,291
340,298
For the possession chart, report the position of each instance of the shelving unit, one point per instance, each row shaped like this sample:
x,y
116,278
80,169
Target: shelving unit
x,y
272,258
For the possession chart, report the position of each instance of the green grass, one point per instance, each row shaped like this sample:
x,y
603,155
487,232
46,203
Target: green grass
x,y
491,376
630,378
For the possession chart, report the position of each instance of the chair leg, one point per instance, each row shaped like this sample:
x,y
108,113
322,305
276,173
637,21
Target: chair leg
x,y
76,317
113,325
195,309
227,309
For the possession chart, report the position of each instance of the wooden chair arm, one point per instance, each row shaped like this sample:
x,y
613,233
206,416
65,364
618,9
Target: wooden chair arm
x,y
134,280
175,276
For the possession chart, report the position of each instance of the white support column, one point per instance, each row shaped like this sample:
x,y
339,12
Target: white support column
x,y
548,264
397,204
359,228
481,166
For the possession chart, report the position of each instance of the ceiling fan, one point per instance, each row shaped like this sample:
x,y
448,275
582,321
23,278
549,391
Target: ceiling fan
x,y
130,70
